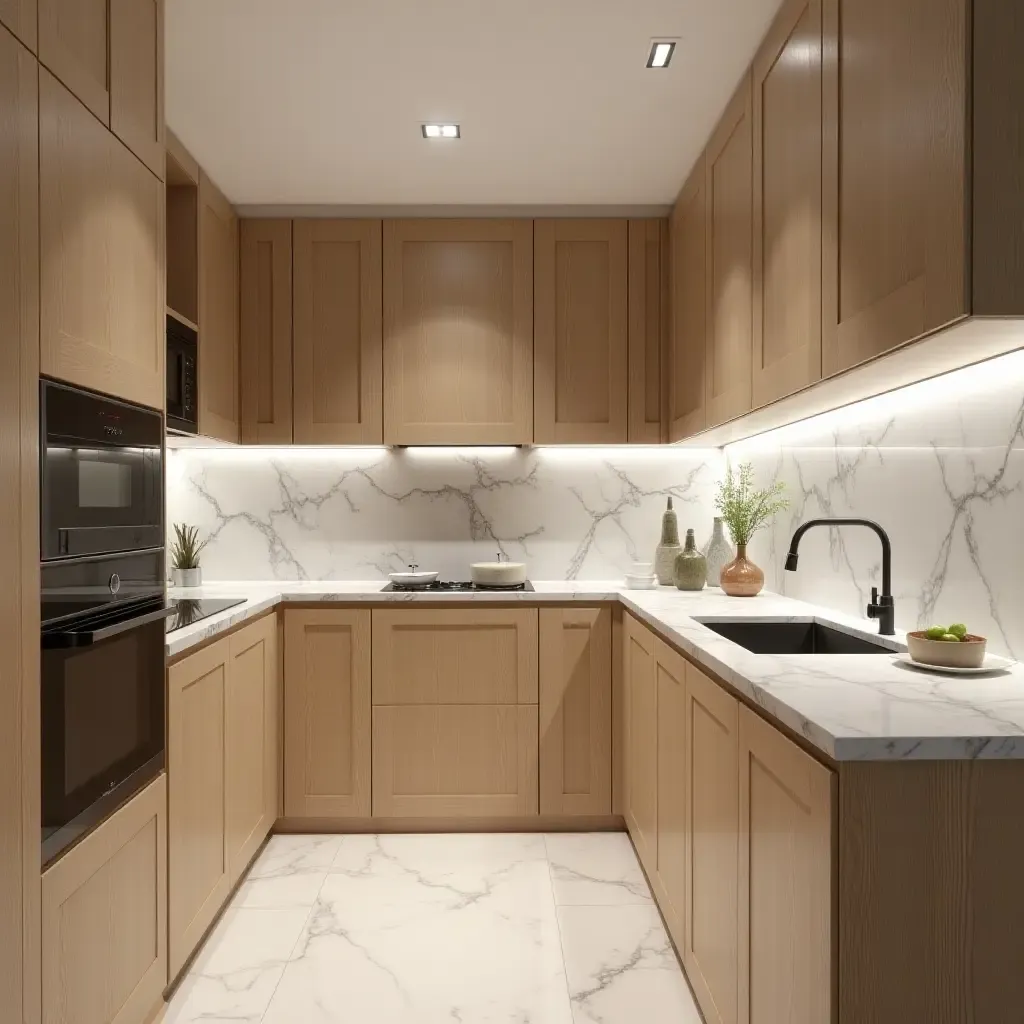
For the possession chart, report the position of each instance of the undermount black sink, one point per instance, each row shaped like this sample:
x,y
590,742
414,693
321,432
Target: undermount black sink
x,y
796,638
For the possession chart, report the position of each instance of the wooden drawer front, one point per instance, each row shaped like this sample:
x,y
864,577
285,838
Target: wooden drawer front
x,y
105,919
459,656
455,760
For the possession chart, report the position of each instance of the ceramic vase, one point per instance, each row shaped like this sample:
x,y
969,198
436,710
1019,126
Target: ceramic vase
x,y
666,551
718,552
691,566
187,577
741,578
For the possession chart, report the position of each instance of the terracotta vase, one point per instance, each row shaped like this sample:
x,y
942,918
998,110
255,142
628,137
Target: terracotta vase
x,y
741,578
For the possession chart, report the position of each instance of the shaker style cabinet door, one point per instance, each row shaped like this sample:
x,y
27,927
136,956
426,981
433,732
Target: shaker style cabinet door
x,y
74,45
21,18
641,735
648,329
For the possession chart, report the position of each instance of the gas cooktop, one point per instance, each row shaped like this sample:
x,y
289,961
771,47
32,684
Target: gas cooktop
x,y
454,587
187,611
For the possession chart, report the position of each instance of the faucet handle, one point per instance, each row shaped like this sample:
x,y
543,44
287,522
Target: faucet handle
x,y
873,609
413,566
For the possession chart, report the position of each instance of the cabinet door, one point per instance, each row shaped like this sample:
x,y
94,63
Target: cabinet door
x,y
265,285
458,331
102,256
199,875
785,880
74,38
641,762
575,710
21,18
326,713
338,332
787,204
729,273
688,350
895,172
137,79
648,329
250,742
104,926
218,314
710,941
580,345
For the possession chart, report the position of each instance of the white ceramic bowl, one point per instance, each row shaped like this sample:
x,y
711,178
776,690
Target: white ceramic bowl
x,y
969,653
635,581
498,574
412,579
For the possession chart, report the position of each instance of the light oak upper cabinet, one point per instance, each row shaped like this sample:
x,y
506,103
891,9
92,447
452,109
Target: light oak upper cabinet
x,y
648,329
21,17
785,879
137,79
458,331
337,327
101,255
688,350
74,37
895,96
580,323
218,314
787,204
265,287
729,171
575,710
641,732
104,921
327,713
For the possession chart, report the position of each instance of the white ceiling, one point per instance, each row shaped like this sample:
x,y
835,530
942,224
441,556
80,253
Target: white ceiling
x,y
320,101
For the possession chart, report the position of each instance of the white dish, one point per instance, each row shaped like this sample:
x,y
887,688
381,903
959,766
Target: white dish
x,y
634,582
990,665
413,579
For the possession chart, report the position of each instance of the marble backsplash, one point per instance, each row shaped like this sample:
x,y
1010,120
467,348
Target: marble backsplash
x,y
316,514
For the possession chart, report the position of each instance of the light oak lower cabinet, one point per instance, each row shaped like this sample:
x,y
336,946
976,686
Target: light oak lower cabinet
x,y
104,926
641,734
575,710
327,713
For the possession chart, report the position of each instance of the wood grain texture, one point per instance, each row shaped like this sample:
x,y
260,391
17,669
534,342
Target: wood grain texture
x,y
729,168
182,166
198,870
580,295
618,710
182,204
218,314
688,228
787,80
137,79
101,256
74,40
786,953
895,174
104,919
575,710
326,712
455,656
648,329
265,344
640,764
458,331
928,916
338,332
21,18
455,760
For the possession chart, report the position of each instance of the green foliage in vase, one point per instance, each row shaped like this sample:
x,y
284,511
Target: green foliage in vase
x,y
744,509
186,547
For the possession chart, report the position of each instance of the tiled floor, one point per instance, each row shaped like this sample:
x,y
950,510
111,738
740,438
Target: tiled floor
x,y
424,929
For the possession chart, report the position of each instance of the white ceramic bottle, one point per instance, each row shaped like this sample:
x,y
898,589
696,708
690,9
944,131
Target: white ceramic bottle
x,y
718,552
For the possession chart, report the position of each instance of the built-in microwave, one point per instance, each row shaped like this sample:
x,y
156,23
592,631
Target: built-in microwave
x,y
182,377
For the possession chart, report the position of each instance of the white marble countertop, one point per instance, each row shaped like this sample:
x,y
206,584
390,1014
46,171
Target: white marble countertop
x,y
849,706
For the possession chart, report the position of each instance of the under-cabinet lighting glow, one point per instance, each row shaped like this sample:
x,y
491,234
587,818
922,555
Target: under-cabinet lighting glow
x,y
441,131
661,54
268,453
460,451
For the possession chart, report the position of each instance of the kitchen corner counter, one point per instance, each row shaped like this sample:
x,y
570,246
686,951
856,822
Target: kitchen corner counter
x,y
866,707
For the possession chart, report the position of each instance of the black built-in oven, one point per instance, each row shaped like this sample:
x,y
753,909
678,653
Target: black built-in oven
x,y
182,377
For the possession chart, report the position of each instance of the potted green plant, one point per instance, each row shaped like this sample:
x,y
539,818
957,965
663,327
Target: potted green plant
x,y
185,556
745,510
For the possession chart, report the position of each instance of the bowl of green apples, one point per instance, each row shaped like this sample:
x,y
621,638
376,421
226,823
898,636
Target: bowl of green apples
x,y
947,646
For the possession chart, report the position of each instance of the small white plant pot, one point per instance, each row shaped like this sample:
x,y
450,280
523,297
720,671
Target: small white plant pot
x,y
187,577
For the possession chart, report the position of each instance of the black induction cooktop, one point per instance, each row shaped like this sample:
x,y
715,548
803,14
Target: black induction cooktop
x,y
455,587
188,611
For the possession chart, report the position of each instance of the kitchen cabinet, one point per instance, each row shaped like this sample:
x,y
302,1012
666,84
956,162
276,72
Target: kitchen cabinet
x,y
729,188
327,713
787,77
101,255
785,879
575,679
641,735
337,324
688,351
218,314
580,322
648,305
458,331
74,37
20,16
137,79
182,203
265,287
104,921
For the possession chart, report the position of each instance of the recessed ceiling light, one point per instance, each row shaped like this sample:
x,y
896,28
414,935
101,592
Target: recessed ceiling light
x,y
441,131
661,53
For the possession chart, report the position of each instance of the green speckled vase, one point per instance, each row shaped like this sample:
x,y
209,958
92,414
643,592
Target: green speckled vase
x,y
691,566
666,551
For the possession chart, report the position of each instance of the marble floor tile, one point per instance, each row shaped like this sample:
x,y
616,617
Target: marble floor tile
x,y
595,868
289,872
621,967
